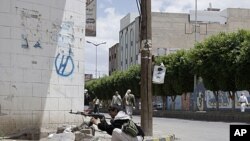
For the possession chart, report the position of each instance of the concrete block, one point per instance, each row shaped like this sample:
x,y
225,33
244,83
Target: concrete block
x,y
86,131
21,61
4,88
44,10
61,137
34,76
167,138
7,20
50,103
71,91
5,6
32,103
5,59
57,117
65,104
45,117
46,77
79,136
40,63
4,32
40,89
57,91
5,46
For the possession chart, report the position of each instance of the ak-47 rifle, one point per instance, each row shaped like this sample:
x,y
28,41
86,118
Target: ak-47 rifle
x,y
96,116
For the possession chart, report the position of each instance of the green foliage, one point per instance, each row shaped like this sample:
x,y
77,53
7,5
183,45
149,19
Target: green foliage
x,y
179,76
221,60
243,63
105,87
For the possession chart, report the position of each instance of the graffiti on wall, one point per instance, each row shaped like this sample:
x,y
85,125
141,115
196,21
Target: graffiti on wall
x,y
223,98
61,34
31,28
64,62
64,65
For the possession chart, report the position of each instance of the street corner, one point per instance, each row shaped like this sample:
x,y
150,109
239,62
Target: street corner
x,y
164,138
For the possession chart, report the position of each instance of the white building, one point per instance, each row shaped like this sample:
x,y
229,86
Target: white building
x,y
128,49
174,31
41,65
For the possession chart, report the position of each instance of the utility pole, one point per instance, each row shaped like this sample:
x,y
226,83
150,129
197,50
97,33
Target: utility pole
x,y
146,68
195,76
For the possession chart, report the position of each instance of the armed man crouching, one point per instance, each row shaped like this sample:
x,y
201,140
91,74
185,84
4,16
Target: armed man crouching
x,y
121,127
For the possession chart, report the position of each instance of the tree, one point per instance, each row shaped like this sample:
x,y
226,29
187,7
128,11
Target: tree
x,y
243,63
216,59
179,75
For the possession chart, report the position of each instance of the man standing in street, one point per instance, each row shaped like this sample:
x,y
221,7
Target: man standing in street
x,y
129,102
116,100
96,103
243,102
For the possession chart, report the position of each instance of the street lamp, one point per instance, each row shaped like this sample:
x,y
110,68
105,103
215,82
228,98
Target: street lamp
x,y
95,44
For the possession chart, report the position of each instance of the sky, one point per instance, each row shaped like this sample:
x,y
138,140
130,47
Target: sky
x,y
109,13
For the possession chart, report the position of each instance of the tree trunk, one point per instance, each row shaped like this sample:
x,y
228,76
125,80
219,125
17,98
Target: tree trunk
x,y
163,103
185,106
216,95
173,102
232,96
166,102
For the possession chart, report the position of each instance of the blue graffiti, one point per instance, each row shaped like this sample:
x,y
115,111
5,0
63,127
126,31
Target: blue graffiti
x,y
25,43
37,45
70,51
63,68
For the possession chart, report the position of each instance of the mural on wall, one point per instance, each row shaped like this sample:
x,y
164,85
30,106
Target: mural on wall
x,y
199,96
177,103
64,62
31,28
224,100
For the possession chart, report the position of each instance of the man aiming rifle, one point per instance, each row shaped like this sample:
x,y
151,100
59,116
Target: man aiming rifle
x,y
88,123
94,115
121,127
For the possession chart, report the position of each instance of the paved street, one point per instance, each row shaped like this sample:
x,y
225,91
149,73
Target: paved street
x,y
189,130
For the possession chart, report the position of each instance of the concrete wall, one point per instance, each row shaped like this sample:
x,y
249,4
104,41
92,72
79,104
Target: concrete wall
x,y
41,65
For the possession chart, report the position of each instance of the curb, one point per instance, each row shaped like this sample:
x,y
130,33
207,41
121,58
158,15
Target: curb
x,y
168,138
